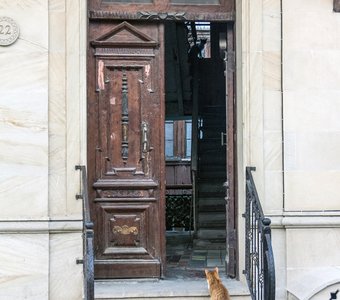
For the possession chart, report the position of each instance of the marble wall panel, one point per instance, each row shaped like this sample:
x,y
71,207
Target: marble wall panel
x,y
311,104
24,266
57,110
273,150
272,31
303,6
306,190
67,100
317,151
272,202
306,248
311,30
65,248
311,70
23,113
272,111
317,110
272,70
279,249
75,99
32,34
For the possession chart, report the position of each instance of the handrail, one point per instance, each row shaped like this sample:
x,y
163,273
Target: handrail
x,y
259,262
88,261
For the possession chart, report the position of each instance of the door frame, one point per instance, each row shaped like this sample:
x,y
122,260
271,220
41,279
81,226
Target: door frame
x,y
232,221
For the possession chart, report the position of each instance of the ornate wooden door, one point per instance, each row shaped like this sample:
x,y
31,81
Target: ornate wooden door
x,y
125,147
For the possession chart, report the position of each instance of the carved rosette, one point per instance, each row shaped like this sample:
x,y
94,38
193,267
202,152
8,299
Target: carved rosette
x,y
125,230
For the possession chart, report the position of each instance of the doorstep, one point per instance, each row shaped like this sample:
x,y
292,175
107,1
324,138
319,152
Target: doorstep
x,y
164,289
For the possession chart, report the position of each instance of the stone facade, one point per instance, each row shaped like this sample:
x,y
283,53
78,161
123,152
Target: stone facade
x,y
43,83
288,91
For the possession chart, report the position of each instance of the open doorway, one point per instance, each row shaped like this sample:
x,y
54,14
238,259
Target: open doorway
x,y
132,65
195,147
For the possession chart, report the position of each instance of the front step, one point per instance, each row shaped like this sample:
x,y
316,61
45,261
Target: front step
x,y
174,289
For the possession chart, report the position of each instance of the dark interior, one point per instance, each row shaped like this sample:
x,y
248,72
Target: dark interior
x,y
195,93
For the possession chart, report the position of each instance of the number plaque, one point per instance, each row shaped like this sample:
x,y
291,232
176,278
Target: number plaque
x,y
9,31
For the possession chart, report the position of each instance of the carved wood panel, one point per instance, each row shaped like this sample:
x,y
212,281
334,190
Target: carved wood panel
x,y
180,10
126,227
125,148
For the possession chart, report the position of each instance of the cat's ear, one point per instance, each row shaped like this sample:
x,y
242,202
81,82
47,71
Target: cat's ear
x,y
206,272
216,270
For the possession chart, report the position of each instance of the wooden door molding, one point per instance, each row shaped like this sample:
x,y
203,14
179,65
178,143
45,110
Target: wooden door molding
x,y
125,152
232,236
224,10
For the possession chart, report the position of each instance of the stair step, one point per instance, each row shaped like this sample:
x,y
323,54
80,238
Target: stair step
x,y
213,207
212,175
212,225
210,244
170,289
211,217
210,186
211,234
212,156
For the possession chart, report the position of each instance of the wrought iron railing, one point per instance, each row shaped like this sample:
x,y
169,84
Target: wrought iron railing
x,y
259,264
88,260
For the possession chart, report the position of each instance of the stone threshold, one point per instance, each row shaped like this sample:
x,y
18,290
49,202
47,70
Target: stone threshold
x,y
188,289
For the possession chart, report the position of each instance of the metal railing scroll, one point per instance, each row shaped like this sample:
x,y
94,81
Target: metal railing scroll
x,y
259,260
88,260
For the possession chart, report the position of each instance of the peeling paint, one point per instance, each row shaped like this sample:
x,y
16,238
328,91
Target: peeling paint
x,y
101,84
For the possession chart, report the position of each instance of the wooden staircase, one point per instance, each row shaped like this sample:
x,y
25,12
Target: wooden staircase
x,y
211,216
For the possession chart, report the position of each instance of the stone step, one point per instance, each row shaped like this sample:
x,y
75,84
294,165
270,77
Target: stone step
x,y
214,205
214,226
211,234
211,216
173,289
212,155
209,244
212,186
212,174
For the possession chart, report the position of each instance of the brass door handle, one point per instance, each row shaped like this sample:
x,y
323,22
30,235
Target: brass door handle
x,y
145,141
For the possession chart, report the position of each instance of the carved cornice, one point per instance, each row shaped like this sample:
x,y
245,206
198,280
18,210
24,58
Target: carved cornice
x,y
149,15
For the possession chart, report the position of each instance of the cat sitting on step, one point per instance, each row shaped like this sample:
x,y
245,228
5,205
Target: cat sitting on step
x,y
217,290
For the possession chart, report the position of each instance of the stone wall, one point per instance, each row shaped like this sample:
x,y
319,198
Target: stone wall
x,y
288,128
42,131
311,106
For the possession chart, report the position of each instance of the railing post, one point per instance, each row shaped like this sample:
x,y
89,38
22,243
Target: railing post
x,y
88,261
259,260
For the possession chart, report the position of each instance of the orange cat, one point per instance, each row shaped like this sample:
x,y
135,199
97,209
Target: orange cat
x,y
217,290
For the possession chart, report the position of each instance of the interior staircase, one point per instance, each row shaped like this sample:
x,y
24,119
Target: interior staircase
x,y
211,216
